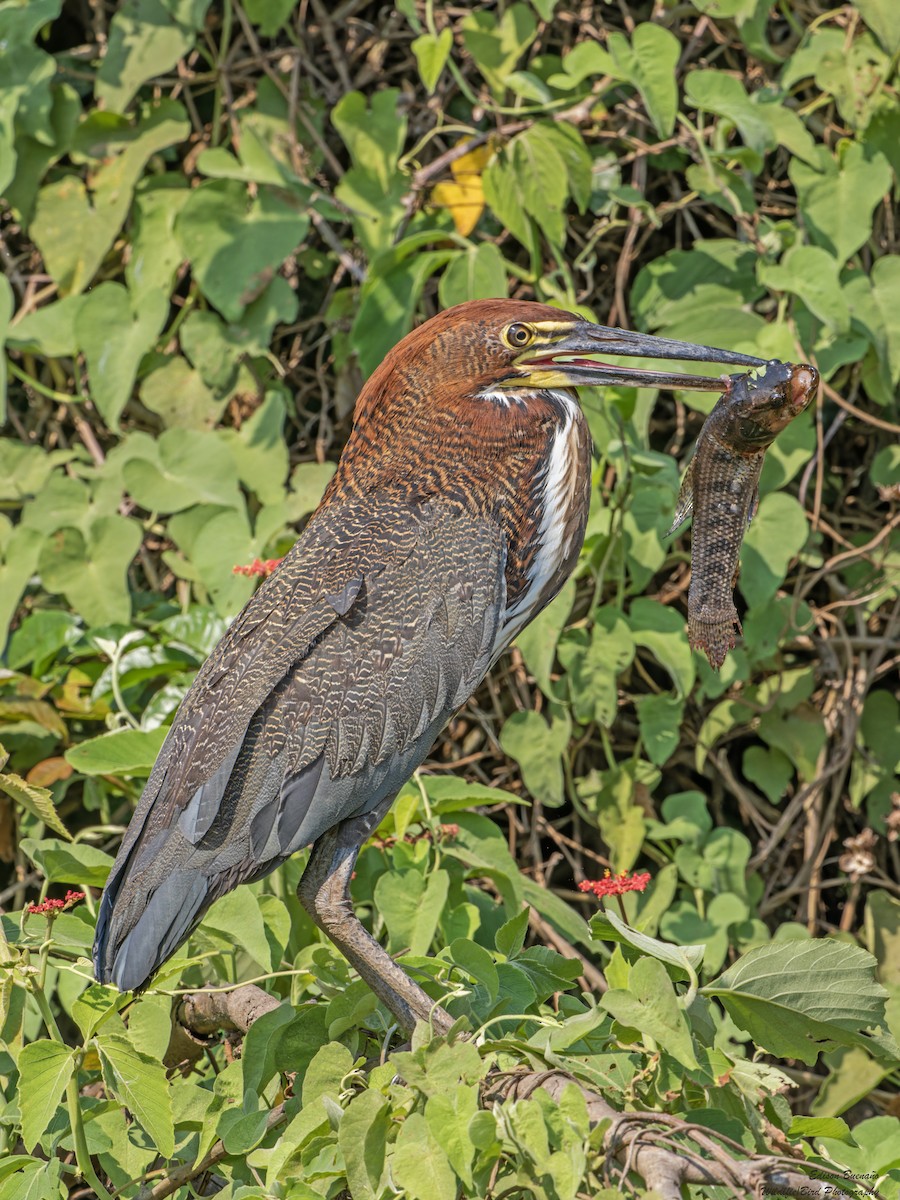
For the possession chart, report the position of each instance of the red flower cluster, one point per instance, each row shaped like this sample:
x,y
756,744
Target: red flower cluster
x,y
258,567
51,907
615,885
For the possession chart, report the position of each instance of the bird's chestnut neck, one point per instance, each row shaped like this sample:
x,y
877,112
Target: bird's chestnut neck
x,y
450,442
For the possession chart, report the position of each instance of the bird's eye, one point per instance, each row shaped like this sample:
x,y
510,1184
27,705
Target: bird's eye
x,y
519,335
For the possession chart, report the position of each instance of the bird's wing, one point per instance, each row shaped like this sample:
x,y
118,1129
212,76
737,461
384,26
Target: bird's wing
x,y
323,696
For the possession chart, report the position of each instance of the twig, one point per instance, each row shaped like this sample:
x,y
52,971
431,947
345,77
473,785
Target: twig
x,y
869,418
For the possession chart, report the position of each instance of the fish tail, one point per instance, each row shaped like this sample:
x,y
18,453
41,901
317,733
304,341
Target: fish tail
x,y
714,634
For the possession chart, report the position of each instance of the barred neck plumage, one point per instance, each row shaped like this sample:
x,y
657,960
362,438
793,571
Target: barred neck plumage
x,y
519,456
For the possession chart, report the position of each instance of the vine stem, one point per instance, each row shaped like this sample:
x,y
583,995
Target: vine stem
x,y
82,1153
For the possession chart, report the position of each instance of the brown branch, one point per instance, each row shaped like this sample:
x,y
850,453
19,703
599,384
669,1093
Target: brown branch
x,y
201,1015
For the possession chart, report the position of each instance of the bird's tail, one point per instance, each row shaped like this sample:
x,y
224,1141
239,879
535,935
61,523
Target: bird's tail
x,y
151,904
177,859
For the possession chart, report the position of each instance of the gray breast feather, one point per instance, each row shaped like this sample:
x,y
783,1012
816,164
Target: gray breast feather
x,y
305,714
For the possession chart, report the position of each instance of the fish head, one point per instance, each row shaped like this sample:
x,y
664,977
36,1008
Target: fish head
x,y
767,402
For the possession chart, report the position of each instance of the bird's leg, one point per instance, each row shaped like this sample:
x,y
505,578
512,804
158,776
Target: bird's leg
x,y
324,891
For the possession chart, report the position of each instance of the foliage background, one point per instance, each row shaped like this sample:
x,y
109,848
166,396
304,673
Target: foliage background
x,y
217,219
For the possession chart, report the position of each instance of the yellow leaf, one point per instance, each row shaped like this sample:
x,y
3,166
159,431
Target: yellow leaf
x,y
91,1061
465,201
472,163
464,195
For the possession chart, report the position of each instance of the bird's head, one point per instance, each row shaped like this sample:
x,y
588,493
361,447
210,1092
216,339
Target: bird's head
x,y
496,349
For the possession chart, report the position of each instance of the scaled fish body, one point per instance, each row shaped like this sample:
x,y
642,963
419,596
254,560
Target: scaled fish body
x,y
721,490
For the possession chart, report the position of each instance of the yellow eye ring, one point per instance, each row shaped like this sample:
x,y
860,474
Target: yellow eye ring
x,y
519,335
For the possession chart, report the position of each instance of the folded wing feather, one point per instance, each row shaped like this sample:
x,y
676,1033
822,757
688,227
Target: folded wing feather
x,y
322,698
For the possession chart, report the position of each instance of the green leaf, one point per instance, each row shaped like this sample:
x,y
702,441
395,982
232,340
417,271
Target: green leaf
x,y
713,283
660,630
91,571
411,905
874,300
259,1055
387,304
776,536
41,636
502,193
178,394
852,1075
300,1040
7,304
659,719
237,919
146,38
94,1005
762,120
797,999
123,752
419,1164
49,330
583,60
326,1073
431,54
63,205
607,926
372,133
241,1131
770,770
510,937
269,15
115,336
62,862
19,551
538,749
476,274
36,800
139,1082
45,1068
594,666
875,1151
830,1127
542,178
538,640
496,46
259,449
373,188
812,274
214,540
881,18
648,63
838,196
799,735
563,916
362,1137
313,1121
448,1118
650,1005
236,245
155,253
477,962
26,98
529,86
183,467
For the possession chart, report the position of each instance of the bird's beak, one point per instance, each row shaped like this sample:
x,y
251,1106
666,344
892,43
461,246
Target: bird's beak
x,y
564,362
